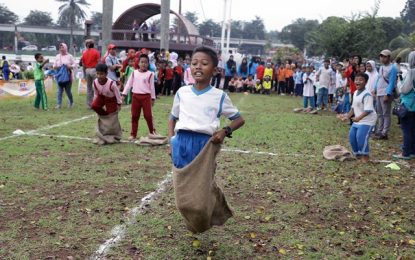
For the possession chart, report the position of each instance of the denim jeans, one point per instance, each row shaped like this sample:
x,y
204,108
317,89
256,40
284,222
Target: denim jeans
x,y
359,138
306,99
67,87
408,129
322,97
346,103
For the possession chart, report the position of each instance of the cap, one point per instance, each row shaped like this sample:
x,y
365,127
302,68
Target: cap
x,y
386,53
111,46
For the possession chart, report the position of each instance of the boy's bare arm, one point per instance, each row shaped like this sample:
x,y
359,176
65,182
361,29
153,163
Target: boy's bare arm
x,y
220,135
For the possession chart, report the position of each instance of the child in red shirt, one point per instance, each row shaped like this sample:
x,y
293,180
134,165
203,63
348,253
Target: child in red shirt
x,y
168,79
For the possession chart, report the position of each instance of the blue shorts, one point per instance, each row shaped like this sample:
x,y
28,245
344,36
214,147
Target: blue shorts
x,y
186,145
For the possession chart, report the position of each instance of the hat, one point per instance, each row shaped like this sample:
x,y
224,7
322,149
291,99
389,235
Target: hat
x,y
386,53
111,46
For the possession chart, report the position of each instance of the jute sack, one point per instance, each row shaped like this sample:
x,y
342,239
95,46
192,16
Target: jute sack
x,y
108,129
198,198
337,152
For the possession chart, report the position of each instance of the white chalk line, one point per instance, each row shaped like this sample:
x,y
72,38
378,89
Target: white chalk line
x,y
47,127
118,232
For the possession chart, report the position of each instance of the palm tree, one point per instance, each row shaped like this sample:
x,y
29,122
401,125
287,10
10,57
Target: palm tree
x,y
72,11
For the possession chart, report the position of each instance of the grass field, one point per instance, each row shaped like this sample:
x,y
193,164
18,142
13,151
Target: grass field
x,y
61,197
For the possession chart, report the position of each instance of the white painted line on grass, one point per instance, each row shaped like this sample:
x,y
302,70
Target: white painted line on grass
x,y
47,127
264,153
59,124
118,232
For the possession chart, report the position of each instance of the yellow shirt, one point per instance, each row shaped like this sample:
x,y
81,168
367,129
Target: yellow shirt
x,y
268,72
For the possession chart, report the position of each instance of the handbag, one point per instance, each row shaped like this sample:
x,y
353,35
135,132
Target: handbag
x,y
399,110
63,75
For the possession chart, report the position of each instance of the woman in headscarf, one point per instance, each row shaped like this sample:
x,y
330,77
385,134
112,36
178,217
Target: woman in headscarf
x,y
243,69
65,59
407,89
373,74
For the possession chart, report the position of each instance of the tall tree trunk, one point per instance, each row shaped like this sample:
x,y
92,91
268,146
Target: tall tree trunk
x,y
71,36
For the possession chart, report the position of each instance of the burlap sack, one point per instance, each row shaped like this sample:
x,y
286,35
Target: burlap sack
x,y
337,152
152,140
108,129
198,198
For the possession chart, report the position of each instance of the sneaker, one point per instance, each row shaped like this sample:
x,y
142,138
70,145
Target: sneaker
x,y
58,107
401,157
71,105
131,138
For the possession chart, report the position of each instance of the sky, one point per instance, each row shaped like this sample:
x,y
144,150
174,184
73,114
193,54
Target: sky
x,y
275,13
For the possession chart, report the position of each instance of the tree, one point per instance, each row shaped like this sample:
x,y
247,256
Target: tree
x,y
97,20
237,29
297,32
393,27
408,16
255,29
209,27
192,17
7,16
72,12
38,18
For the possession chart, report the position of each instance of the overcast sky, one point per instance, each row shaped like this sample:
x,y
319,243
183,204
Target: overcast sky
x,y
275,13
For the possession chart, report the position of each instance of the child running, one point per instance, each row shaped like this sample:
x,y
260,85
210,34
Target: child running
x,y
364,118
144,96
39,76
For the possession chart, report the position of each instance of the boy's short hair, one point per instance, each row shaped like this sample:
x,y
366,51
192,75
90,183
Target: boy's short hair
x,y
362,75
37,55
327,60
101,67
208,51
144,56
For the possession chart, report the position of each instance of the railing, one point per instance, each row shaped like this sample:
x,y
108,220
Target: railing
x,y
149,36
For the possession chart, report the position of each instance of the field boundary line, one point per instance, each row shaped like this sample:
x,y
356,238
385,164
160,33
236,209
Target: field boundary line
x,y
47,127
118,232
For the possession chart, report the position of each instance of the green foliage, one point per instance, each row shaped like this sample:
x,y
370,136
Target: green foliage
x,y
297,32
97,20
255,29
28,74
38,18
408,16
399,42
192,17
286,53
7,16
209,27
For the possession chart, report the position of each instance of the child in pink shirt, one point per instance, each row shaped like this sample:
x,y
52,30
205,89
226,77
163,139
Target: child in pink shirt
x,y
106,93
144,95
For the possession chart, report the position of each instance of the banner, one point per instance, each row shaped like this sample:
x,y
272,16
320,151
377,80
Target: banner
x,y
82,86
21,88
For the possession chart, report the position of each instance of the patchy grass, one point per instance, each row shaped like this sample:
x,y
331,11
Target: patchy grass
x,y
61,197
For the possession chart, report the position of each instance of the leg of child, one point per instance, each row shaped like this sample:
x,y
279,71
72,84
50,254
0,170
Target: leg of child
x,y
362,137
38,94
353,140
135,114
305,102
148,113
312,102
44,98
98,104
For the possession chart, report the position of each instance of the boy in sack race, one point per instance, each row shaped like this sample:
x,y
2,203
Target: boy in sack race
x,y
195,141
107,103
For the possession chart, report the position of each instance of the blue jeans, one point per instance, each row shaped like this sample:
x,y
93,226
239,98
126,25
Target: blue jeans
x,y
346,103
67,87
408,129
359,138
186,145
322,97
312,104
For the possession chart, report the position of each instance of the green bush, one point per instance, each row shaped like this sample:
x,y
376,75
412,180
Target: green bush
x,y
28,74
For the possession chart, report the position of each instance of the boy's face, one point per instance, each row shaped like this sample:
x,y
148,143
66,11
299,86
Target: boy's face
x,y
40,59
101,76
308,69
360,83
326,65
143,64
131,63
202,67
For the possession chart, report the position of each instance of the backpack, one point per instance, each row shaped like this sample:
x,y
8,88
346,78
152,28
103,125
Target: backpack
x,y
63,75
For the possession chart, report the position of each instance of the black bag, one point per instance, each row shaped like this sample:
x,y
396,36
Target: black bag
x,y
399,110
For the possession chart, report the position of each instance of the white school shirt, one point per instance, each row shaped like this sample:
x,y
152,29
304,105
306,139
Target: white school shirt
x,y
308,90
200,110
363,102
324,77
